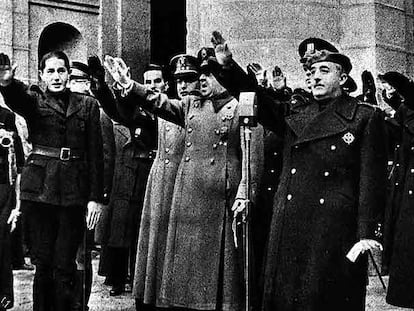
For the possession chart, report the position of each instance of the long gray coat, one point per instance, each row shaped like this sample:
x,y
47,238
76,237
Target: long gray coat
x,y
156,211
331,193
203,269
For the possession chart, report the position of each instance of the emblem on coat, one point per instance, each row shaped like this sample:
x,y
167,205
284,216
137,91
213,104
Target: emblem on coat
x,y
348,138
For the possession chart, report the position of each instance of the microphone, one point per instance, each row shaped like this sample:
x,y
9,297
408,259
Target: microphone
x,y
248,109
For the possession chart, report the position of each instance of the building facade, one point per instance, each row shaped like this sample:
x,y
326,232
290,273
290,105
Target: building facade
x,y
376,34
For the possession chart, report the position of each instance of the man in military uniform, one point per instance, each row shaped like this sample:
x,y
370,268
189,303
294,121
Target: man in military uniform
x,y
203,268
62,178
136,139
331,193
80,82
11,162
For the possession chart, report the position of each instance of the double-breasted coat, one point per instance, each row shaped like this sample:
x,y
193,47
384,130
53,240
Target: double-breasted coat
x,y
50,180
331,193
202,268
399,225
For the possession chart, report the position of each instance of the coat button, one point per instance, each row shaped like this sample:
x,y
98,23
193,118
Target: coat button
x,y
398,146
293,171
196,105
412,171
189,144
220,143
326,174
190,130
272,171
333,147
187,159
275,153
269,189
322,201
410,192
396,184
167,128
212,161
289,197
397,165
412,148
167,150
223,118
214,146
217,131
167,161
225,143
296,146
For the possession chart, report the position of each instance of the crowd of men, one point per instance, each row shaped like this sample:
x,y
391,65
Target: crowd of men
x,y
158,174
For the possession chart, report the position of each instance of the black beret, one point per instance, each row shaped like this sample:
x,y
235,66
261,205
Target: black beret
x,y
315,44
395,79
326,56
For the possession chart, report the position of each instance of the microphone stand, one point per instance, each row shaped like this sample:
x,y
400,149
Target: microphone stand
x,y
247,135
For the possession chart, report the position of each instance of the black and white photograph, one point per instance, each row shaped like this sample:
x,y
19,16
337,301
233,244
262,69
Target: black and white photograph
x,y
206,155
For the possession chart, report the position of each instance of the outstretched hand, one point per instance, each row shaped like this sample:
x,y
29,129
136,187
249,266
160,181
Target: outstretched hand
x,y
118,70
6,70
96,69
222,51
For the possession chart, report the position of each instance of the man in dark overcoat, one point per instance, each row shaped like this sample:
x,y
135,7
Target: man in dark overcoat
x,y
80,82
331,193
62,179
399,216
11,162
136,142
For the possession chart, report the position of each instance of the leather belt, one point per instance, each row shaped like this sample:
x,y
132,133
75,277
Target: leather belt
x,y
64,153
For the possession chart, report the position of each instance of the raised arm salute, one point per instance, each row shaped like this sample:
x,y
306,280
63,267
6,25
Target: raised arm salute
x,y
62,176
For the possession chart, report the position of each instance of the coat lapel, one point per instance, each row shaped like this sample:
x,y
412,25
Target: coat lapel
x,y
310,124
52,103
75,104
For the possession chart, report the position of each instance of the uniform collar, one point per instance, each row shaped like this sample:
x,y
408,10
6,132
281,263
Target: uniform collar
x,y
310,124
220,100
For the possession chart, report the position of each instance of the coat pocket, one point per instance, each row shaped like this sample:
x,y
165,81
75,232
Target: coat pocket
x,y
33,176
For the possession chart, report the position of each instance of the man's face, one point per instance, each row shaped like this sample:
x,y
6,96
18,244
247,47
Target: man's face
x,y
186,84
209,86
55,75
326,80
80,85
155,80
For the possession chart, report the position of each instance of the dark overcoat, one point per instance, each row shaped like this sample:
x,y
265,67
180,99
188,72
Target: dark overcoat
x,y
156,211
7,203
203,269
331,193
50,180
399,226
135,140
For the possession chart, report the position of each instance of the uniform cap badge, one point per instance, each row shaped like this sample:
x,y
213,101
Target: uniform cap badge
x,y
348,138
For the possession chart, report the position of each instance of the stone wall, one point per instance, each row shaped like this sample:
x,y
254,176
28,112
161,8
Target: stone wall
x,y
377,35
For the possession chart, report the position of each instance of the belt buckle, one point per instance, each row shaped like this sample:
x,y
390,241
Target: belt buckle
x,y
64,154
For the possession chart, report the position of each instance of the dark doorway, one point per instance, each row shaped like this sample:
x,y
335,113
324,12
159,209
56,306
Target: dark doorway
x,y
64,37
168,29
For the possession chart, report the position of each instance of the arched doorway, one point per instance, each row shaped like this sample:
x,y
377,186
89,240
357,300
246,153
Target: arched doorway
x,y
64,37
